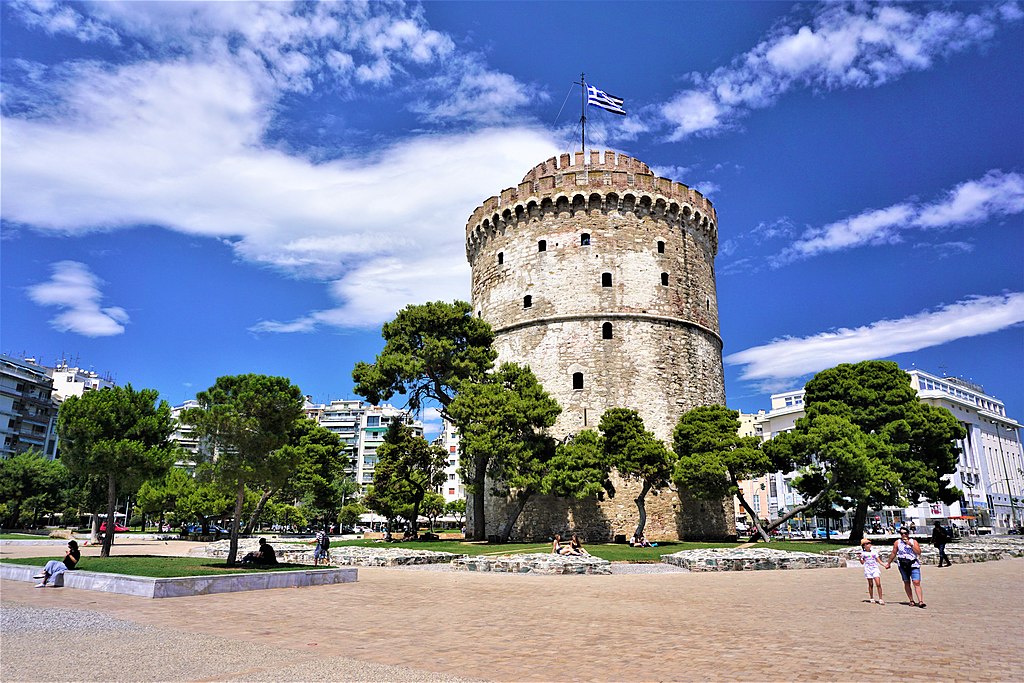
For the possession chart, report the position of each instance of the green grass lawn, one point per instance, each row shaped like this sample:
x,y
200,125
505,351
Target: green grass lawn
x,y
158,567
24,537
613,552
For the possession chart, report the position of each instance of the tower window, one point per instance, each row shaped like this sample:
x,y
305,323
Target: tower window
x,y
527,301
577,380
707,303
542,245
606,331
606,279
585,239
661,247
664,279
501,257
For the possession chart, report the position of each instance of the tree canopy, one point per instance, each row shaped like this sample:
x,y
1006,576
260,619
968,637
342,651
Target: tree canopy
x,y
637,454
245,418
30,483
408,468
429,350
866,440
502,421
118,433
713,457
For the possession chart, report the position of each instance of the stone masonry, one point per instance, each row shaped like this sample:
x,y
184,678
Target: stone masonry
x,y
600,276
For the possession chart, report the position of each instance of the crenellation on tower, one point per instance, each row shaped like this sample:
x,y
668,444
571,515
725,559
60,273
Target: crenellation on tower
x,y
600,277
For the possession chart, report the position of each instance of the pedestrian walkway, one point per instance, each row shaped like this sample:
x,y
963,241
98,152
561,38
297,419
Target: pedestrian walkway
x,y
806,626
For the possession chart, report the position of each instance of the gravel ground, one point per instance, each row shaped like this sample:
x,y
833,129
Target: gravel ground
x,y
45,644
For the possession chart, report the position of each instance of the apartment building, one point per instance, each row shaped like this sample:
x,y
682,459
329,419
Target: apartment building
x,y
448,439
361,427
28,413
73,381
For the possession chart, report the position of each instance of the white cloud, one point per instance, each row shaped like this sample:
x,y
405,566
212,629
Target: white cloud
x,y
794,357
995,195
73,288
179,142
178,145
841,46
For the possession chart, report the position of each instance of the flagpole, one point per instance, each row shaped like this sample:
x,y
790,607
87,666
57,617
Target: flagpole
x,y
583,115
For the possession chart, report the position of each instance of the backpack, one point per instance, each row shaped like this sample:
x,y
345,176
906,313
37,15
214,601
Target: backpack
x,y
323,540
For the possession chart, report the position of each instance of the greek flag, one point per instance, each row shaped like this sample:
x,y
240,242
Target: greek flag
x,y
599,98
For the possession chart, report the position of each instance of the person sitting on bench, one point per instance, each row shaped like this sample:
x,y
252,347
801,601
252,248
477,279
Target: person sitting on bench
x,y
55,568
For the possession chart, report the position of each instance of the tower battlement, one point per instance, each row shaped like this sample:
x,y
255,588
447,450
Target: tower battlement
x,y
610,182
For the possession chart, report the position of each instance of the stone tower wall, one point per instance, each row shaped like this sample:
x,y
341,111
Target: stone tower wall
x,y
555,239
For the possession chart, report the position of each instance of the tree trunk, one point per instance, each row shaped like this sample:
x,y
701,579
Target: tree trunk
x,y
513,517
796,511
480,488
94,528
860,518
642,508
108,536
757,522
251,524
239,502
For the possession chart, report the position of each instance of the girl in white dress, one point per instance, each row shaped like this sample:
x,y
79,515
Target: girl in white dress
x,y
872,570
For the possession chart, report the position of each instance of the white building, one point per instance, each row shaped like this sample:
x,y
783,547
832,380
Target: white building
x,y
361,427
28,413
452,489
990,468
69,381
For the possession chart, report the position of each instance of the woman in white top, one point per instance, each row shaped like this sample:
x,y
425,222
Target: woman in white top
x,y
908,552
872,570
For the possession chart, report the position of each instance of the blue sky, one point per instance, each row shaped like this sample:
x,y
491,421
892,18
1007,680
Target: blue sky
x,y
194,190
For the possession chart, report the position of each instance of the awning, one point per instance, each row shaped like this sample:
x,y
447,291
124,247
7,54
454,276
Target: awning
x,y
964,517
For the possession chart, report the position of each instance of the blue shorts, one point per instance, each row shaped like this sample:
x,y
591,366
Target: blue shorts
x,y
319,552
913,575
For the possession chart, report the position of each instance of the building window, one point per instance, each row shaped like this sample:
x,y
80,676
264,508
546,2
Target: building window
x,y
661,247
585,239
577,380
527,301
664,279
542,245
451,492
372,420
501,257
707,303
606,279
606,331
451,449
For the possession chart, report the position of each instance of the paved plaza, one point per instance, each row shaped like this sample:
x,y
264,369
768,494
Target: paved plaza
x,y
421,625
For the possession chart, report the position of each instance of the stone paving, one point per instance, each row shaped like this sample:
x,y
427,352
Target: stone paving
x,y
808,625
749,559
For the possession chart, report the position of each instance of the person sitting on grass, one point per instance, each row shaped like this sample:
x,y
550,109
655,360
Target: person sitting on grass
x,y
55,568
639,541
264,555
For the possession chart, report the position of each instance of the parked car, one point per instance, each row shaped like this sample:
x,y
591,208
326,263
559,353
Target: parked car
x,y
820,532
213,530
117,528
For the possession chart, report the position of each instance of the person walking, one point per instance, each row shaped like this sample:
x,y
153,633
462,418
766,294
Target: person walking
x,y
908,552
939,539
872,570
322,549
